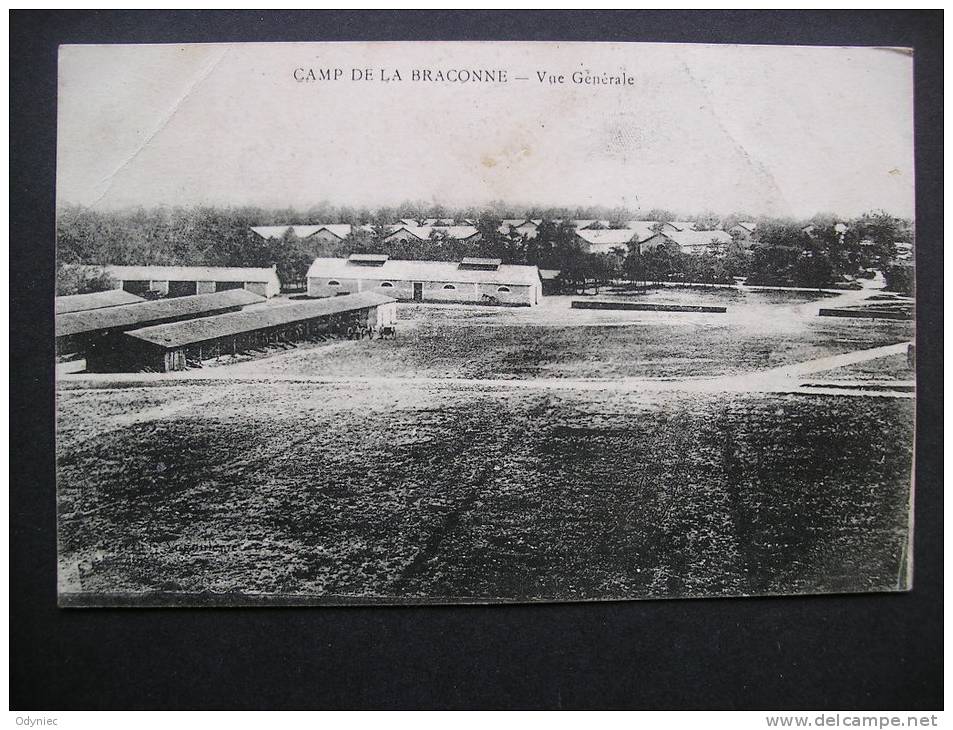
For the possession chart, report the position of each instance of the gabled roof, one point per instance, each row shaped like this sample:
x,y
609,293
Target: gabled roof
x,y
607,236
279,231
681,225
339,230
460,232
642,228
191,273
95,300
697,239
747,225
423,232
437,271
178,334
127,316
548,274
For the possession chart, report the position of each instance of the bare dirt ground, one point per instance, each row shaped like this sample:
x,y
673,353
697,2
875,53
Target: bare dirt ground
x,y
505,453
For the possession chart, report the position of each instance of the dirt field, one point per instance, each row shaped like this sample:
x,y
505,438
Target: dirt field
x,y
254,480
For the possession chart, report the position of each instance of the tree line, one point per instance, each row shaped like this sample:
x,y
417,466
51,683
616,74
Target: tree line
x,y
816,252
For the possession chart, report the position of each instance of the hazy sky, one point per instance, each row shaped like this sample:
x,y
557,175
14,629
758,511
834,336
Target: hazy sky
x,y
767,130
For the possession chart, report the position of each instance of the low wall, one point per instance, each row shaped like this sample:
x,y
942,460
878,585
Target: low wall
x,y
644,306
866,313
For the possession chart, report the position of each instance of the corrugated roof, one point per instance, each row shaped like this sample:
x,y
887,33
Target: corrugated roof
x,y
178,334
191,273
437,271
95,300
130,315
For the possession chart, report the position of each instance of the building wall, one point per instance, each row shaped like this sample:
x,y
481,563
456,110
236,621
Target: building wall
x,y
261,288
258,287
433,291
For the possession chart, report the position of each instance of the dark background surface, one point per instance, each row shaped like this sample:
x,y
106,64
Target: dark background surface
x,y
825,652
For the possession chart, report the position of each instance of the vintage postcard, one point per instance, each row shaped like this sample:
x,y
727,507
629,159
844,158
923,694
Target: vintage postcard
x,y
349,323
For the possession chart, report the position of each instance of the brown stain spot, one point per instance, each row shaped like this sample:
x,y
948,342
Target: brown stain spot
x,y
894,171
487,161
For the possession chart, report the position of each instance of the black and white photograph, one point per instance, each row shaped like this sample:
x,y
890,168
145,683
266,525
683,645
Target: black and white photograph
x,y
482,322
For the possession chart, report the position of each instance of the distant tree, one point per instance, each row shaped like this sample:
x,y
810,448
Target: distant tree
x,y
883,231
661,263
660,214
737,261
73,279
290,258
900,278
707,221
379,231
488,226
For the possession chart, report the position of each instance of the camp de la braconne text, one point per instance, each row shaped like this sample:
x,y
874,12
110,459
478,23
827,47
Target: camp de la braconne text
x,y
579,77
